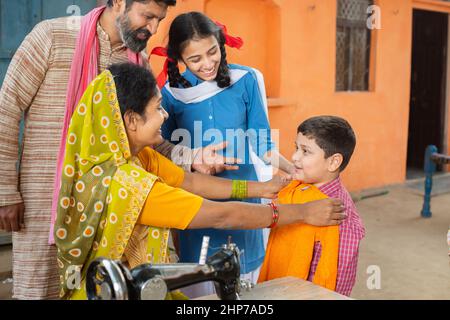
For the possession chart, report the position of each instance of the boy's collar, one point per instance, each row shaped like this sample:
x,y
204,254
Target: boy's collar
x,y
331,185
327,185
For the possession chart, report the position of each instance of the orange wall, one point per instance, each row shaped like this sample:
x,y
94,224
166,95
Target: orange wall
x,y
293,43
260,49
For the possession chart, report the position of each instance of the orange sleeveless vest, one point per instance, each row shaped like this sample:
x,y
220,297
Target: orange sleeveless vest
x,y
290,248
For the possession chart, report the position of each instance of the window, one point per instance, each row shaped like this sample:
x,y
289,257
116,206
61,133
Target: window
x,y
352,45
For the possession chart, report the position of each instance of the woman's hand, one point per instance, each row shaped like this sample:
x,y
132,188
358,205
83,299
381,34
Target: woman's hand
x,y
272,187
327,212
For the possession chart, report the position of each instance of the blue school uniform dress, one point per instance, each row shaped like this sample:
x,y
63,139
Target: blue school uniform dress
x,y
206,114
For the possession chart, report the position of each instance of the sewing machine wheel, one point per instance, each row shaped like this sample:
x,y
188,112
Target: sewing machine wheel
x,y
105,280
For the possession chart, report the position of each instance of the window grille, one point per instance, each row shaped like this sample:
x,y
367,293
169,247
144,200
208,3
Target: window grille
x,y
352,45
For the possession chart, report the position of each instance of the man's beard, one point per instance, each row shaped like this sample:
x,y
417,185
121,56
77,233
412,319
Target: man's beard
x,y
129,36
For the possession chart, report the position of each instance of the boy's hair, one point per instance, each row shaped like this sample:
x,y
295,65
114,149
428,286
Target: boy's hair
x,y
332,134
130,2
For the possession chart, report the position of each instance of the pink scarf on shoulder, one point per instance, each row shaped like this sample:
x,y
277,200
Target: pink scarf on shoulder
x,y
84,69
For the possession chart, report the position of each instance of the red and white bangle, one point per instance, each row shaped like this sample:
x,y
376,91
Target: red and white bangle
x,y
275,215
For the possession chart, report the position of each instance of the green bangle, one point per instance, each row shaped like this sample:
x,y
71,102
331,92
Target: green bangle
x,y
239,189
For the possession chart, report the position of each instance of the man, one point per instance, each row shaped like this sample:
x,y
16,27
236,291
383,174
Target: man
x,y
36,83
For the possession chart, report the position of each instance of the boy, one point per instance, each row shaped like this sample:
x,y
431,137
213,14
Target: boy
x,y
326,256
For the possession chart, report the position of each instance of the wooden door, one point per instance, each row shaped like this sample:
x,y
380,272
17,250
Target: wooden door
x,y
428,83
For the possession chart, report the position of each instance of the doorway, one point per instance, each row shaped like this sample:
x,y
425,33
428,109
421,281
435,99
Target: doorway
x,y
428,87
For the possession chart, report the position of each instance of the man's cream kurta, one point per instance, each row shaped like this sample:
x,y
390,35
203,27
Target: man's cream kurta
x,y
36,84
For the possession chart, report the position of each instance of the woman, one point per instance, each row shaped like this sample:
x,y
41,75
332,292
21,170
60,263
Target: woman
x,y
119,198
213,98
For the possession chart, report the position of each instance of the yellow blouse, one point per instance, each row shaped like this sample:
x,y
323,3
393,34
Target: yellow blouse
x,y
167,205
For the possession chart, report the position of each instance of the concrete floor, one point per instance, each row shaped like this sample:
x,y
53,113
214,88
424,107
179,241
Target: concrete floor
x,y
410,252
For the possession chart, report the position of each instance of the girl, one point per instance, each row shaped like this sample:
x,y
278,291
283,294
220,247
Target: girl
x,y
214,102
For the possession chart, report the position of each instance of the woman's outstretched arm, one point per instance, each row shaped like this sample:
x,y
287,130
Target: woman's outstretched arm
x,y
240,215
211,187
176,208
206,186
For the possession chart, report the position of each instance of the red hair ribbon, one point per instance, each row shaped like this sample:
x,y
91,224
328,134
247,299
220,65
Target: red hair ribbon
x,y
232,42
162,77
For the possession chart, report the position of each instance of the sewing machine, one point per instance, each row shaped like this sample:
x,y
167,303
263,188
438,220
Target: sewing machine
x,y
111,280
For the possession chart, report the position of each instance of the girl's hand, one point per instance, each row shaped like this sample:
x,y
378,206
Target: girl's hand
x,y
272,187
208,161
